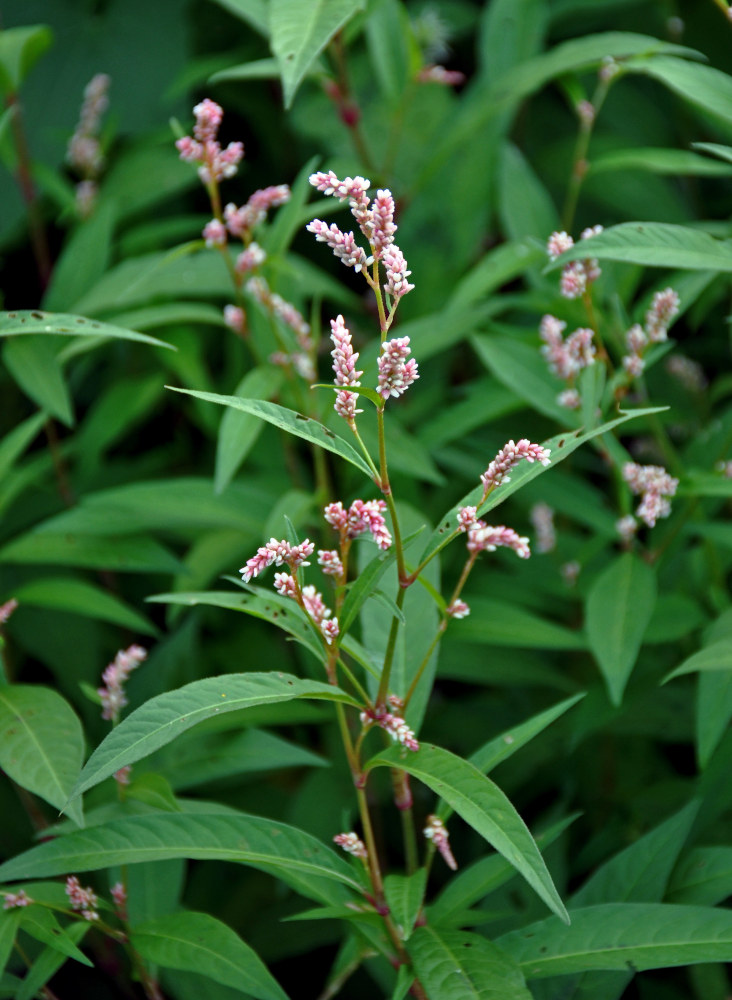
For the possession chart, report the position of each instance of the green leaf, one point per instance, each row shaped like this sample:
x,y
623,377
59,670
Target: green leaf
x,y
618,609
718,656
483,877
84,260
269,606
239,431
638,936
525,205
521,368
42,924
497,267
169,314
482,805
713,712
130,554
363,586
200,943
640,872
20,49
653,159
41,743
288,420
17,440
561,446
404,896
283,850
49,962
81,598
654,244
27,321
703,877
387,35
34,364
708,88
9,921
501,623
300,30
256,69
164,717
455,965
253,12
715,149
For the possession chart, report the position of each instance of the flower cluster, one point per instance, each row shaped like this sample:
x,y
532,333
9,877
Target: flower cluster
x,y
392,724
280,553
115,677
566,358
511,454
654,485
578,274
664,306
376,222
7,609
361,516
241,221
344,366
689,373
396,373
214,163
351,844
83,901
484,537
438,74
437,833
457,609
301,359
84,151
541,516
16,900
119,895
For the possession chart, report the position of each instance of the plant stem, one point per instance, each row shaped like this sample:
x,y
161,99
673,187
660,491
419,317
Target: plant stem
x,y
38,238
579,159
389,654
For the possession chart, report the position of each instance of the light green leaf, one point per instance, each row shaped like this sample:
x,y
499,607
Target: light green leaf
x,y
716,149
404,895
238,431
455,965
618,609
20,49
129,554
656,160
200,943
654,244
525,205
164,717
81,598
482,805
169,314
9,921
703,877
41,743
501,623
300,30
288,420
561,446
718,656
708,88
388,37
42,924
283,850
620,936
499,266
34,364
27,321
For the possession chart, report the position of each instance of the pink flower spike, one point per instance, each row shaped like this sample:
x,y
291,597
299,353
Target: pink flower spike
x,y
557,244
329,628
574,280
234,318
438,74
345,405
330,562
570,399
437,833
396,374
342,244
313,601
209,115
664,307
351,844
458,609
394,725
485,538
509,455
269,197
466,517
396,272
214,233
285,584
82,900
344,358
16,900
541,516
250,259
336,515
382,211
7,609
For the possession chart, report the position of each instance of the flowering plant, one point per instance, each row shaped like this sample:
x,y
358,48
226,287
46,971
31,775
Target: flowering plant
x,y
396,637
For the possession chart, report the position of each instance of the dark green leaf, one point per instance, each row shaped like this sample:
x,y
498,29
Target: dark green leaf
x,y
404,895
81,598
654,244
26,321
455,965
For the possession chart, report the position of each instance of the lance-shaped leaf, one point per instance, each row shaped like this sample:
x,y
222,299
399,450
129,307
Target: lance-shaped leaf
x,y
164,717
483,806
619,608
287,420
703,877
718,656
653,244
197,942
26,321
404,895
41,743
560,446
42,924
620,936
283,850
455,965
300,30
